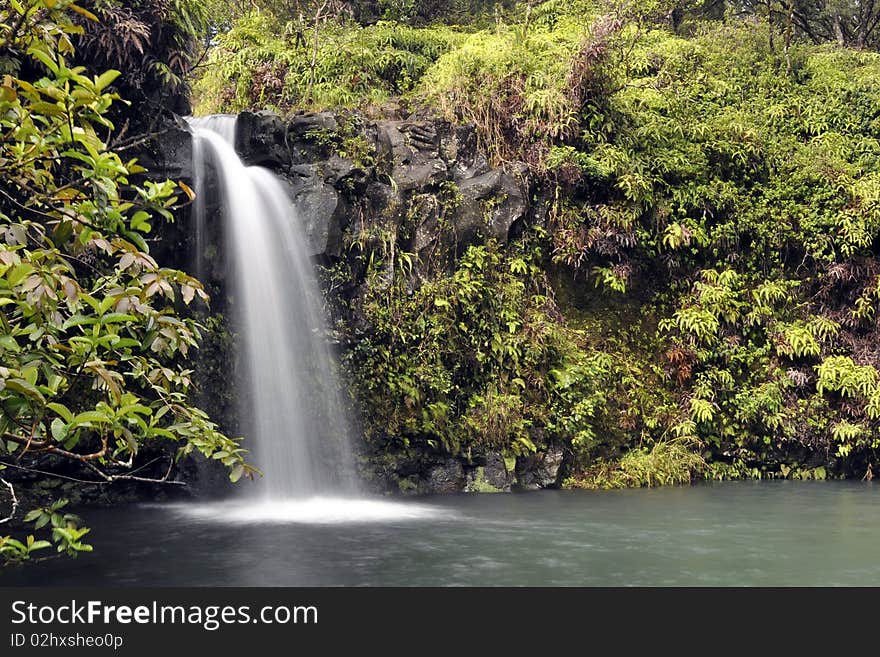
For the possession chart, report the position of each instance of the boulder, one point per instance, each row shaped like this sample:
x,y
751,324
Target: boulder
x,y
540,470
261,139
492,203
445,477
411,153
324,213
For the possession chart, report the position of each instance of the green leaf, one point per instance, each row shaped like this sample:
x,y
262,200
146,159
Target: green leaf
x,y
62,410
9,343
79,320
16,543
140,221
59,429
106,79
83,12
39,545
33,515
88,418
25,388
117,318
38,52
18,273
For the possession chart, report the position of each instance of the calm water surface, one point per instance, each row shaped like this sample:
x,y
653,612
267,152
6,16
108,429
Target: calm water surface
x,y
731,534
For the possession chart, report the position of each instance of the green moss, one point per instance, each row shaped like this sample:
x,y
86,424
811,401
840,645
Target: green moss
x,y
407,486
479,483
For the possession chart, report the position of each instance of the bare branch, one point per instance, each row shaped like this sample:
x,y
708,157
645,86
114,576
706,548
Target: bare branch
x,y
14,501
105,478
48,446
52,474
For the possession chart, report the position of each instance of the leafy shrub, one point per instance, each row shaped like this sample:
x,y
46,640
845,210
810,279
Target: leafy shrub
x,y
93,331
666,463
338,65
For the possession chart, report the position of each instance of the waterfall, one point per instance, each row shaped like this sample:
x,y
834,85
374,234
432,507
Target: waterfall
x,y
296,425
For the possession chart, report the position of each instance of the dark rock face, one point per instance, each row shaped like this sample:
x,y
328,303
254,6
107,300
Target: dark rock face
x,y
423,185
261,139
413,153
391,170
324,213
493,202
492,477
447,477
421,474
172,155
403,161
540,470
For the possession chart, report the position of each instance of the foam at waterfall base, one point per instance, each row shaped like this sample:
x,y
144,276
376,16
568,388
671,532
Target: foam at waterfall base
x,y
314,510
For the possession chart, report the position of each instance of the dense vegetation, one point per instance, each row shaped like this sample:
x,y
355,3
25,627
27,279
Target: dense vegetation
x,y
695,294
700,299
93,331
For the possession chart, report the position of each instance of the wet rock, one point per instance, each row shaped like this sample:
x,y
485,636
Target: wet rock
x,y
428,228
324,213
261,139
171,155
311,136
445,477
491,204
311,123
539,470
422,137
492,477
412,152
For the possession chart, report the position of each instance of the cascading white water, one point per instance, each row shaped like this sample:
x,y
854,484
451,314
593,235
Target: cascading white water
x,y
297,427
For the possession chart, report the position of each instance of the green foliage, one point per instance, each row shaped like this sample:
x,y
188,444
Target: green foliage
x,y
520,84
465,359
721,177
336,65
666,463
93,331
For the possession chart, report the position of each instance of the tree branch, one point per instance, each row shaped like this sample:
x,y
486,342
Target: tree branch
x,y
43,215
105,478
52,474
47,446
14,501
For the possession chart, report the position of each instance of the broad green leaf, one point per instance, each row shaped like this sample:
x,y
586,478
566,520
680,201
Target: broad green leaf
x,y
9,343
25,388
33,515
59,429
106,79
62,410
117,318
89,418
39,545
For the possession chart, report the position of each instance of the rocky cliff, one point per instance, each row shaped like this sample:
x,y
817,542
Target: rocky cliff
x,y
361,184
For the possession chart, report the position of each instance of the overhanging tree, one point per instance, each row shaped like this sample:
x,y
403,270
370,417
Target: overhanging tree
x,y
93,331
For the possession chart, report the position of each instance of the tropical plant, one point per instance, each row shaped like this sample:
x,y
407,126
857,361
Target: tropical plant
x,y
93,331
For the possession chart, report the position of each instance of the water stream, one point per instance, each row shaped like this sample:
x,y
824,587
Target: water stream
x,y
296,423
